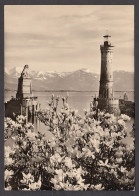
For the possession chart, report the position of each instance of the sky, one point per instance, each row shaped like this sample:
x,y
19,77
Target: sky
x,y
66,38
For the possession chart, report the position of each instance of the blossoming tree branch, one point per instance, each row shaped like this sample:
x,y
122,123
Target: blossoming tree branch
x,y
85,153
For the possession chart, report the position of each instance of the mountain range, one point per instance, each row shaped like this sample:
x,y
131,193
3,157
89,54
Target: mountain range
x,y
79,80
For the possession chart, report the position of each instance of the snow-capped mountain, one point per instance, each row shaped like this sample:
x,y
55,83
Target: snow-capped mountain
x,y
80,80
40,75
14,72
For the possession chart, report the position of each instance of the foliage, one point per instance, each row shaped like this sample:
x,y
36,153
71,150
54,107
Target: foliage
x,y
85,153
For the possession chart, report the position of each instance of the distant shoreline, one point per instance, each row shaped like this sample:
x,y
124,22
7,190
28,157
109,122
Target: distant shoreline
x,y
66,91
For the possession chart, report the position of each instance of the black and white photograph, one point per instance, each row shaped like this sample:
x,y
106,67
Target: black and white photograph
x,y
69,98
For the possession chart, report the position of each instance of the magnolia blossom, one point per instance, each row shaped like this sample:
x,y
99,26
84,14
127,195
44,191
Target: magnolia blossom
x,y
8,174
55,158
82,150
97,187
95,143
121,122
75,173
104,164
125,117
35,185
106,132
27,178
60,184
110,143
119,154
131,173
68,162
29,126
8,161
119,160
51,142
8,188
8,151
5,125
9,122
20,119
31,135
60,174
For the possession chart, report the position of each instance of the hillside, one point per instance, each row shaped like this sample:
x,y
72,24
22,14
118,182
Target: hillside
x,y
80,80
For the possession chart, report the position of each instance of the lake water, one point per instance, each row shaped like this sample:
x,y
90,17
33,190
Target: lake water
x,y
76,100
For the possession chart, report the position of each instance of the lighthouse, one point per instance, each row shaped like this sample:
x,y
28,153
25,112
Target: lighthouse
x,y
106,100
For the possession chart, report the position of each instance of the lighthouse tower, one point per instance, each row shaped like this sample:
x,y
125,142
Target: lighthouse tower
x,y
106,93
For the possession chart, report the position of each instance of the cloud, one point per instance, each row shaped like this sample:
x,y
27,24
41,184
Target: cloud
x,y
66,37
